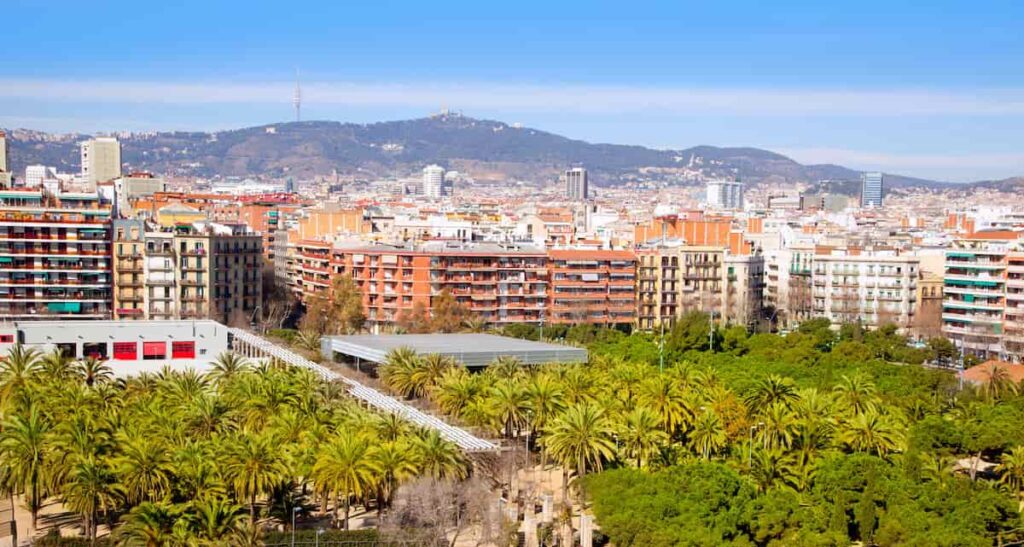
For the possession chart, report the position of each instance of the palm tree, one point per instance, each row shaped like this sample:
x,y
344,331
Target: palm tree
x,y
430,370
474,324
999,383
215,519
255,465
873,431
511,404
94,371
396,463
772,466
581,437
144,469
16,370
1011,471
439,458
227,365
391,427
57,366
771,389
455,390
397,370
150,525
780,426
546,399
24,441
708,435
308,340
90,487
642,436
505,367
347,467
666,397
857,393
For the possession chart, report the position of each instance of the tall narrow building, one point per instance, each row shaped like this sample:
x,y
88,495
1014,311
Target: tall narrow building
x,y
577,187
5,174
871,190
433,181
101,160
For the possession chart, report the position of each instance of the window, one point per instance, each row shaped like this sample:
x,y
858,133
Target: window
x,y
154,350
183,350
96,350
126,351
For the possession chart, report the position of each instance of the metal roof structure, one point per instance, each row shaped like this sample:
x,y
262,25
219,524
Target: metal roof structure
x,y
374,398
472,350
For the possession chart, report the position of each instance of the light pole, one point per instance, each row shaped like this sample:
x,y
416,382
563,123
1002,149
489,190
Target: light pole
x,y
661,347
316,541
295,510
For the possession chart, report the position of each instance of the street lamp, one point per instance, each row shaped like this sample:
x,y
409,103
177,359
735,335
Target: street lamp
x,y
317,537
295,511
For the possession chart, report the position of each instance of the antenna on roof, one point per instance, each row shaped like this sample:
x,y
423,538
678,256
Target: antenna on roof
x,y
297,98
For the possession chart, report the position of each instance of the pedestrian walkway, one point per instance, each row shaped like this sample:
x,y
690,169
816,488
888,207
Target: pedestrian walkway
x,y
251,345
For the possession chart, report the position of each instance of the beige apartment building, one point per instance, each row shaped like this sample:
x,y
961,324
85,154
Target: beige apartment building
x,y
101,160
673,280
204,270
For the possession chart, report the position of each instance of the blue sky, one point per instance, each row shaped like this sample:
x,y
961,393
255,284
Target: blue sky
x,y
934,89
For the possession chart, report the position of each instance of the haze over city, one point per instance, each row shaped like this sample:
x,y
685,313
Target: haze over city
x,y
872,86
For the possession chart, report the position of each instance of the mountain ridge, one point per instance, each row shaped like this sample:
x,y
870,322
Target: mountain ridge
x,y
483,148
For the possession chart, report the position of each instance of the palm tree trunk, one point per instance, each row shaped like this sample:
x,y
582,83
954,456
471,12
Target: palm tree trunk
x,y
14,530
347,495
34,503
252,508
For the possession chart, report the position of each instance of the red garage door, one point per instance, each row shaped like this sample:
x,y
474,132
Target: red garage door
x,y
126,351
154,350
183,350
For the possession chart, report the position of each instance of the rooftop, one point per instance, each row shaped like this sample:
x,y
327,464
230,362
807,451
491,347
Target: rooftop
x,y
472,350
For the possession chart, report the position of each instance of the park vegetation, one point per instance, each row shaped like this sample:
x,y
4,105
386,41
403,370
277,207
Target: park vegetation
x,y
183,458
719,437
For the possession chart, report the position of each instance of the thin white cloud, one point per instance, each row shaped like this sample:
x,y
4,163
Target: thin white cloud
x,y
534,97
954,167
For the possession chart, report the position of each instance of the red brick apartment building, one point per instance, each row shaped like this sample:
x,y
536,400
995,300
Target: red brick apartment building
x,y
500,284
589,286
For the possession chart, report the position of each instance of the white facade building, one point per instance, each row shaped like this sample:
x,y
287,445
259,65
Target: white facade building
x,y
433,181
725,195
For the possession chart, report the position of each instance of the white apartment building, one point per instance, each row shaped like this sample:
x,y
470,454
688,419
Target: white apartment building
x,y
433,181
873,288
724,195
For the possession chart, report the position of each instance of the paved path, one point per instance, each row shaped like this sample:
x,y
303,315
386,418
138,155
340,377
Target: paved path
x,y
252,345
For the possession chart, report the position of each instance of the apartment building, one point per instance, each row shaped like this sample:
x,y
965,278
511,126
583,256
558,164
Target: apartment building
x,y
1013,324
788,284
872,288
676,279
205,270
499,284
981,307
55,259
592,286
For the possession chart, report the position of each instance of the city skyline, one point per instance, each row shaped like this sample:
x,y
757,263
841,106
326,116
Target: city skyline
x,y
890,93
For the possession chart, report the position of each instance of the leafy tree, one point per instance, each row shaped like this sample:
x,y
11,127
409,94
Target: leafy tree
x,y
446,313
